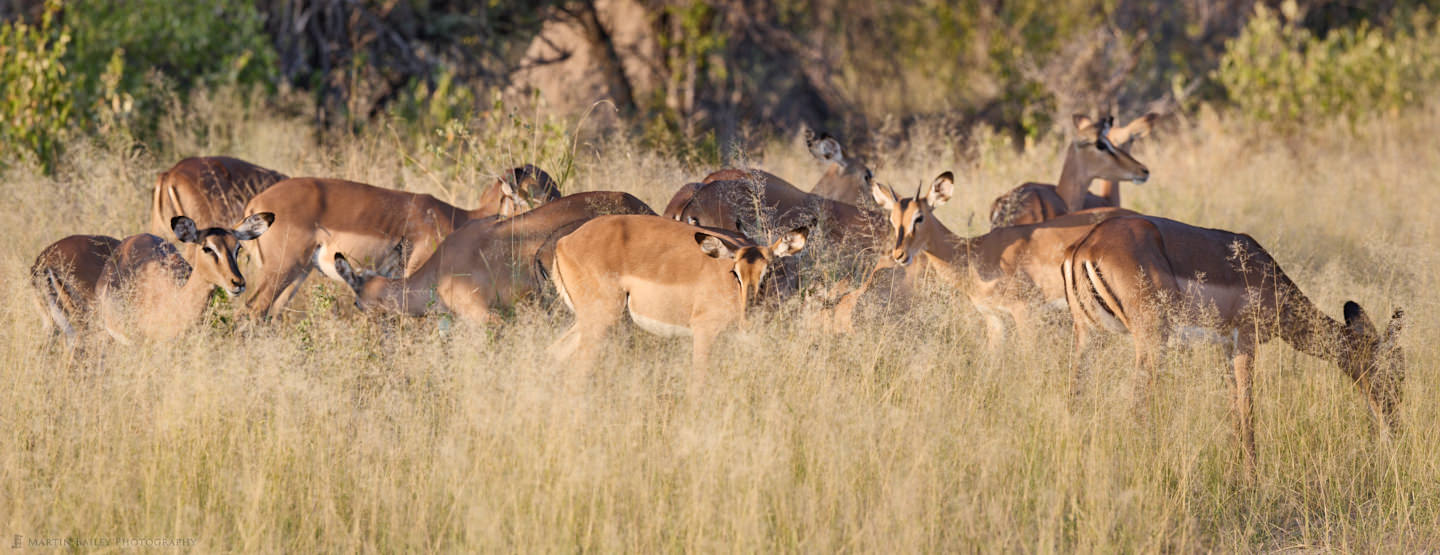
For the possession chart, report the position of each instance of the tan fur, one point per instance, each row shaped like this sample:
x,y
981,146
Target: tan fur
x,y
485,266
1033,203
65,276
1008,272
1157,276
664,273
150,288
393,232
211,190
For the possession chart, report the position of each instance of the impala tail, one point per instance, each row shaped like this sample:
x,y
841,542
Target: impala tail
x,y
58,302
1092,299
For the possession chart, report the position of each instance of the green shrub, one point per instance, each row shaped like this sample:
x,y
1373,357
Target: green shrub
x,y
37,102
97,65
1276,70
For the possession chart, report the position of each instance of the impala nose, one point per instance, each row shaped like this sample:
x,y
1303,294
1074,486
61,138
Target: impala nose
x,y
1144,176
237,287
901,256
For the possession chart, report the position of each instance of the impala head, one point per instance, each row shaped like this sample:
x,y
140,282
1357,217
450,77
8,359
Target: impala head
x,y
1096,155
910,216
212,252
1374,360
751,261
367,289
841,174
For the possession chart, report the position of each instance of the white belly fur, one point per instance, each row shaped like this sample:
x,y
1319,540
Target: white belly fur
x,y
663,329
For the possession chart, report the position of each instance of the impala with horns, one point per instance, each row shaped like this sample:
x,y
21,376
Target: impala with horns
x,y
1010,271
845,180
391,231
65,276
210,190
1156,278
484,265
672,278
1099,151
151,288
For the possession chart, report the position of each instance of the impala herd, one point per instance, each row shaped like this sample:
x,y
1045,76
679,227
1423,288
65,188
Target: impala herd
x,y
721,245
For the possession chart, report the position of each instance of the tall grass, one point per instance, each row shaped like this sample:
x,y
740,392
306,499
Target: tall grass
x,y
332,431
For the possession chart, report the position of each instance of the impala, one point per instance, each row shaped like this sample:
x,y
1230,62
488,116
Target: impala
x,y
844,181
483,265
391,231
758,207
65,275
1155,278
1094,154
672,278
211,191
1009,271
150,287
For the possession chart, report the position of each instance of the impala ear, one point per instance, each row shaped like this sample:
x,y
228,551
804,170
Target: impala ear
x,y
826,148
1357,321
1139,127
184,229
348,273
1086,129
511,201
941,189
713,247
254,225
883,195
791,243
1397,324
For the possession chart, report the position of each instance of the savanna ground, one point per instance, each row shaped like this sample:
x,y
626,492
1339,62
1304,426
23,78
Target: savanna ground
x,y
333,431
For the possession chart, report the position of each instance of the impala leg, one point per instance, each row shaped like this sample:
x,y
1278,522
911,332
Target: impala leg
x,y
420,253
994,331
1244,415
700,359
1080,363
278,282
593,320
465,300
1150,341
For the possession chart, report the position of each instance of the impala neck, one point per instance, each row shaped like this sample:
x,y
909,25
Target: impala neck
x,y
1305,327
190,299
400,296
1074,182
1108,190
949,252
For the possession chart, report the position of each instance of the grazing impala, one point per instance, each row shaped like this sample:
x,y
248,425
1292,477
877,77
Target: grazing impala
x,y
211,190
391,231
1009,271
758,207
1156,278
65,276
844,181
150,287
1100,151
484,265
672,278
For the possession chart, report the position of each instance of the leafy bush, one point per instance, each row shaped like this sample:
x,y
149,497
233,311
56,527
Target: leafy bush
x,y
96,62
37,102
1276,70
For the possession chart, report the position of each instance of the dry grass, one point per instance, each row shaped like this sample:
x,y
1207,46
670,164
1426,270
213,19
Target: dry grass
x,y
334,432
